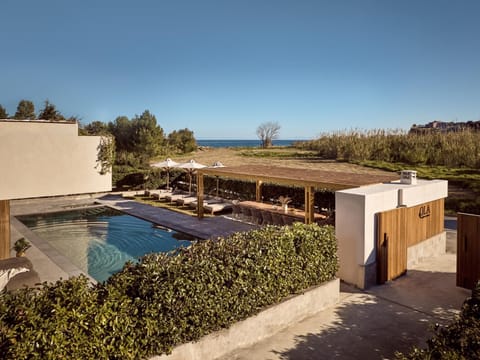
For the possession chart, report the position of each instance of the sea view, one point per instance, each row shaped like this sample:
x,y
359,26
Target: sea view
x,y
240,143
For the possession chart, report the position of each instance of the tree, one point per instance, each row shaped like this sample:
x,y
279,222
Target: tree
x,y
141,135
49,112
96,128
182,141
148,137
3,113
121,130
25,110
267,132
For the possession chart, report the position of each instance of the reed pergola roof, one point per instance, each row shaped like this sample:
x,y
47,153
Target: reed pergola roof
x,y
319,179
310,179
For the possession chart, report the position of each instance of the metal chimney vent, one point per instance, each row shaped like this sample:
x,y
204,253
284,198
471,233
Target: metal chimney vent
x,y
408,177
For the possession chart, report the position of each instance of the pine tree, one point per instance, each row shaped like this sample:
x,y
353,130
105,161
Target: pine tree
x,y
49,112
25,110
3,113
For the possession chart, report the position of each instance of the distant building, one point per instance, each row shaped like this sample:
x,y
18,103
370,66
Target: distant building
x,y
441,126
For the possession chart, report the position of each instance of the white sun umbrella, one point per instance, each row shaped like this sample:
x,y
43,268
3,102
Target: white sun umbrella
x,y
191,166
167,165
217,164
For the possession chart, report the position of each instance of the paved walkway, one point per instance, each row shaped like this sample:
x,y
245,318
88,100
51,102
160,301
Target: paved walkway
x,y
206,228
372,324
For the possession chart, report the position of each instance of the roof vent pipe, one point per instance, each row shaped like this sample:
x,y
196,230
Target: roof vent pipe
x,y
408,177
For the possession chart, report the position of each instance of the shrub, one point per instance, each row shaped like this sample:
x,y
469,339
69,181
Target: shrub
x,y
166,299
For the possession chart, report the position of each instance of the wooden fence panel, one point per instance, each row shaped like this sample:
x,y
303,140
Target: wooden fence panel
x,y
468,250
424,221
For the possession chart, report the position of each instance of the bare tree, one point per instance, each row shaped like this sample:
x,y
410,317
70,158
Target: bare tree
x,y
267,132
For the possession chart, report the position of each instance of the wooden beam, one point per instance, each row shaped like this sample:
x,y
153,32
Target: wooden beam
x,y
320,179
309,204
4,229
258,191
200,190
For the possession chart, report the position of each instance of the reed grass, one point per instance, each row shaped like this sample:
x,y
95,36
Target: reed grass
x,y
452,149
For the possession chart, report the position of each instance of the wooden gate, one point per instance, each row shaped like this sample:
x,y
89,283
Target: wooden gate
x,y
468,250
391,245
403,227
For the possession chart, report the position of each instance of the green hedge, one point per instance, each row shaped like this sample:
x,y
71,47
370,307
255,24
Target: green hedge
x,y
459,340
166,299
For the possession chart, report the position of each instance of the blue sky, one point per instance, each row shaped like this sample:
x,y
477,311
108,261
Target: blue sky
x,y
221,68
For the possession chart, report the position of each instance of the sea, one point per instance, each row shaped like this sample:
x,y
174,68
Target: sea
x,y
241,143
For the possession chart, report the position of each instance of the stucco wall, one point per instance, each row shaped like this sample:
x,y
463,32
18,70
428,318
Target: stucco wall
x,y
41,158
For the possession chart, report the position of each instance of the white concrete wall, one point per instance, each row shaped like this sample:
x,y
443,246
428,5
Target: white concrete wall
x,y
39,158
355,224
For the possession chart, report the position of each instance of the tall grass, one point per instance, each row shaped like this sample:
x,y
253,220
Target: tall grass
x,y
453,149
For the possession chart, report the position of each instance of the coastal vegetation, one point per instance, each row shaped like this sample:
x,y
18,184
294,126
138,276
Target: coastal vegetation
x,y
26,111
166,299
452,149
454,156
137,141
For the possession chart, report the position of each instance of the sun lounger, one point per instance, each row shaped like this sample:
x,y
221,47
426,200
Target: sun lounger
x,y
173,197
185,201
207,201
17,272
218,207
161,195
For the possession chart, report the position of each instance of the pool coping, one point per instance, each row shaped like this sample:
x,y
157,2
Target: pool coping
x,y
60,261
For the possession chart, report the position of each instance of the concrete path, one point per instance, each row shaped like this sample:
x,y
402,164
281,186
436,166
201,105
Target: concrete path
x,y
372,324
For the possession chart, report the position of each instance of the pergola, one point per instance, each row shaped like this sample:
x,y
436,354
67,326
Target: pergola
x,y
310,179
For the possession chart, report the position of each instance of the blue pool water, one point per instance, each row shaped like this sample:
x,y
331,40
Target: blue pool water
x,y
100,240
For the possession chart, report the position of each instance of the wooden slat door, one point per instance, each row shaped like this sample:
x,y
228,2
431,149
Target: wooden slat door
x,y
468,250
391,245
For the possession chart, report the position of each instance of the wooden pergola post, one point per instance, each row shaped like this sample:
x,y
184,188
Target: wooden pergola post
x,y
309,204
258,191
200,190
4,229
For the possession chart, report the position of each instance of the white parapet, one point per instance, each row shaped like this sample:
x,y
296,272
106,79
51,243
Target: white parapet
x,y
41,158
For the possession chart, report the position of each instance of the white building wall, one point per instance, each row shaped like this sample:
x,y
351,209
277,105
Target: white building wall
x,y
355,222
349,220
39,158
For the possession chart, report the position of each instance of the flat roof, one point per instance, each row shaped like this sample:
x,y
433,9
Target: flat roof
x,y
321,179
39,121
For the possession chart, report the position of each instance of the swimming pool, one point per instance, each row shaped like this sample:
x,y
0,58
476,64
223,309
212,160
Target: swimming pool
x,y
100,240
